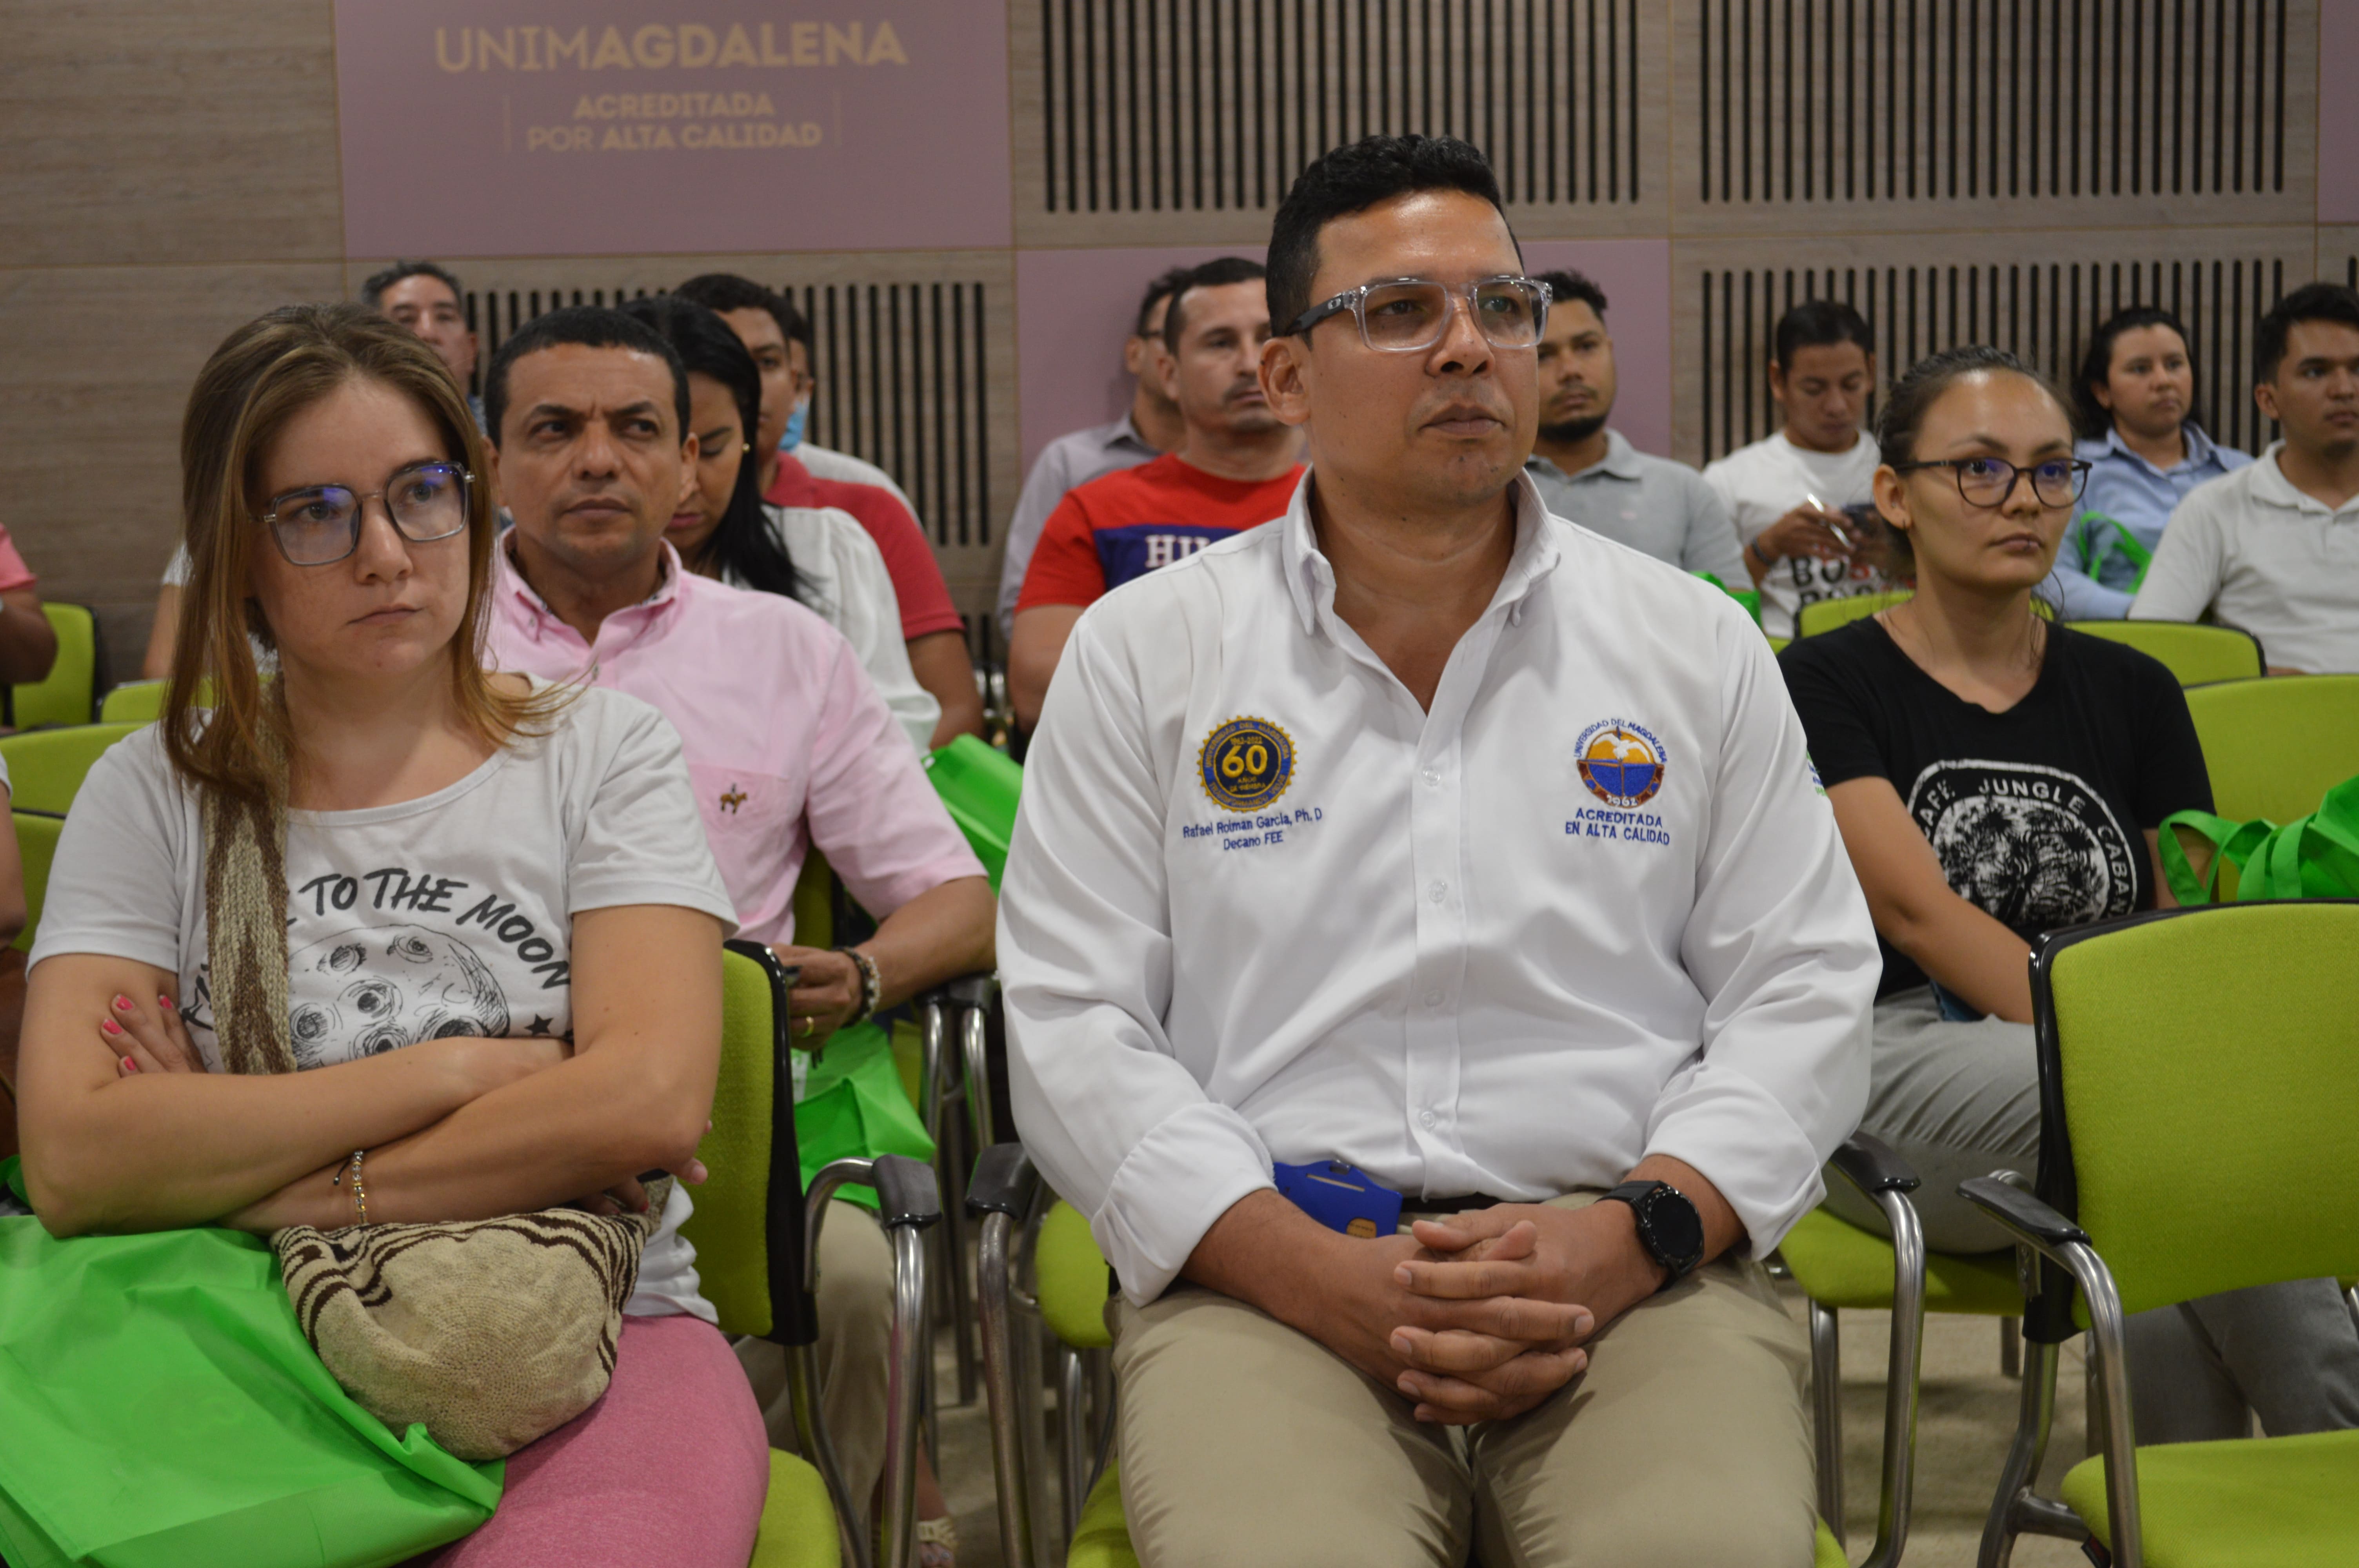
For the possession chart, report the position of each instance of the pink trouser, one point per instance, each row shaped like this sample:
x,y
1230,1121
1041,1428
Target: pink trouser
x,y
668,1470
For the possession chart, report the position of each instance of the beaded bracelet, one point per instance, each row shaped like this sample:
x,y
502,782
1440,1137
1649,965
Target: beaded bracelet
x,y
872,985
360,1193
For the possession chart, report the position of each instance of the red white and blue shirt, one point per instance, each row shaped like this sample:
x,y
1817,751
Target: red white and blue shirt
x,y
1129,523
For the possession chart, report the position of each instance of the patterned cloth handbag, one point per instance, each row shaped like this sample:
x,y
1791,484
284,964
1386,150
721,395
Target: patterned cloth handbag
x,y
490,1333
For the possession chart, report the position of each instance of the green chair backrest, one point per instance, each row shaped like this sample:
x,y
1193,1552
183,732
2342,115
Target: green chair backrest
x,y
1072,1278
2190,649
2274,747
2200,1088
45,767
979,787
729,1228
132,702
70,691
1826,614
36,850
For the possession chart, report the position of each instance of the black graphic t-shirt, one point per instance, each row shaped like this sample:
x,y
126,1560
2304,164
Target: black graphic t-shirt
x,y
2038,814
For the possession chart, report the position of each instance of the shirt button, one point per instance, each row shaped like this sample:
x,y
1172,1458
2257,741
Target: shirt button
x,y
1427,1118
1433,998
1433,776
1437,892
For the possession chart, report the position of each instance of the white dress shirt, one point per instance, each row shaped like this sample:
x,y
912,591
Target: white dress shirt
x,y
2261,555
1591,906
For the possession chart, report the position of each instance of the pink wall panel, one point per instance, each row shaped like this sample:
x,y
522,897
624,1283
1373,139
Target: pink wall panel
x,y
2338,111
1074,307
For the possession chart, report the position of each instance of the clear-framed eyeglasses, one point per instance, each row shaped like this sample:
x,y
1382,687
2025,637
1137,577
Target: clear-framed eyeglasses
x,y
1405,315
322,524
1988,481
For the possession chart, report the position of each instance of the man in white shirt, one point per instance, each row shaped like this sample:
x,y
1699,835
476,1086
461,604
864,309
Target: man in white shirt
x,y
1424,833
2274,547
1588,473
1149,428
1787,492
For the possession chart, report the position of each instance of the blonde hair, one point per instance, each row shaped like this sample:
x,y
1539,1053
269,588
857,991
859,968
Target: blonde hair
x,y
262,377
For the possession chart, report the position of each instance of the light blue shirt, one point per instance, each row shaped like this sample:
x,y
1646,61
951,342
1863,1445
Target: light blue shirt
x,y
2128,489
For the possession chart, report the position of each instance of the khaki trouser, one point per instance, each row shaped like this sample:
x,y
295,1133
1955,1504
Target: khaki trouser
x,y
855,1337
1685,1442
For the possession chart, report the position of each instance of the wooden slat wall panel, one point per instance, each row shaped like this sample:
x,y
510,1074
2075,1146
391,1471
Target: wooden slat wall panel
x,y
1179,109
2040,299
1887,111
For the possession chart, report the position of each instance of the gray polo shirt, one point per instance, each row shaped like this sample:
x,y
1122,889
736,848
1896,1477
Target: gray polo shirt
x,y
1651,505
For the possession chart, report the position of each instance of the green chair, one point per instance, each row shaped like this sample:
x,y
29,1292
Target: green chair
x,y
2199,1081
36,850
132,702
1035,1250
1826,614
2191,650
45,767
68,693
755,1231
2275,747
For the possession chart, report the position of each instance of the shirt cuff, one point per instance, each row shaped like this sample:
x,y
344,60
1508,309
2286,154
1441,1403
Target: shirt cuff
x,y
1189,1170
1747,1144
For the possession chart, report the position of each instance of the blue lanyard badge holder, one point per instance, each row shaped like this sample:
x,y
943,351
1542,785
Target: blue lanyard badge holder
x,y
1341,1197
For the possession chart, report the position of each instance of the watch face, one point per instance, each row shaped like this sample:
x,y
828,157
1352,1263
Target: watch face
x,y
1673,1230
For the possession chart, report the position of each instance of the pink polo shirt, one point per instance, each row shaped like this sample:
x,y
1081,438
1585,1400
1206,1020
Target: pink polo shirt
x,y
787,742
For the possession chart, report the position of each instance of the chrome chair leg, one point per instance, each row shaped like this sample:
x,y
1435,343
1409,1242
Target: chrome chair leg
x,y
1826,1413
1073,1447
2035,1415
2010,1347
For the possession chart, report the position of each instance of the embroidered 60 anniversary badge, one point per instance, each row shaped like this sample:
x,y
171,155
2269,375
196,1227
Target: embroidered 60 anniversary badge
x,y
1245,764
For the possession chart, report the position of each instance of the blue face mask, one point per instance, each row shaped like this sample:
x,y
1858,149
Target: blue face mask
x,y
795,422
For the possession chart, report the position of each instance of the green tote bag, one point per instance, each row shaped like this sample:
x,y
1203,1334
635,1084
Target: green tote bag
x,y
160,1409
2312,857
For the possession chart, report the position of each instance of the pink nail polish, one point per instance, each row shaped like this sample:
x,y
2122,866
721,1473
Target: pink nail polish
x,y
165,1003
122,1003
110,1026
129,1066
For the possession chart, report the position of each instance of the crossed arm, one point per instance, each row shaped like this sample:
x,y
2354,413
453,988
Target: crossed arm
x,y
456,1128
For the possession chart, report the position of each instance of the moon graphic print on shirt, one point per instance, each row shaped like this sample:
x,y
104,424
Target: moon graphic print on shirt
x,y
388,987
2034,847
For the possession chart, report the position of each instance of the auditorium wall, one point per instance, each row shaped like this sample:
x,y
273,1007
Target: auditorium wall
x,y
966,194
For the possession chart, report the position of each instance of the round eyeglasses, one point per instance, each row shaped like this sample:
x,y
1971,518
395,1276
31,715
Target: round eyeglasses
x,y
1988,481
322,524
1405,315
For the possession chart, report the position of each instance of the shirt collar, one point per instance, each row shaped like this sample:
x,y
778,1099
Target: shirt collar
x,y
518,600
2201,452
1310,577
1122,436
2270,485
1620,462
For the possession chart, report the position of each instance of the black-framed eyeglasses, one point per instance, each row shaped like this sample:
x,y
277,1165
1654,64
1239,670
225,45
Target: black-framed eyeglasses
x,y
1988,481
320,524
1405,315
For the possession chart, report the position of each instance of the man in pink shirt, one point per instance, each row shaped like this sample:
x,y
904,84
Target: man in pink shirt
x,y
787,742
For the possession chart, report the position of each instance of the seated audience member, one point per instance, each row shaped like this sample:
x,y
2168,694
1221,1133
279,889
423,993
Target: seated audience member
x,y
2274,547
2038,763
1235,467
769,327
12,980
1148,428
336,503
787,741
423,295
2134,403
1588,474
1787,492
28,644
1600,1027
818,556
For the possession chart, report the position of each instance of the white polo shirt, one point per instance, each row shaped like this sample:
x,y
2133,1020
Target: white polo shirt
x,y
2265,556
1260,905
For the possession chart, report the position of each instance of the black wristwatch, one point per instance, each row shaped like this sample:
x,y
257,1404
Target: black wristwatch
x,y
1668,1226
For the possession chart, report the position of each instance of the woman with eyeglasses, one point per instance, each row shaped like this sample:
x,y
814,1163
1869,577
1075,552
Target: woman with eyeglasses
x,y
450,934
2135,404
1996,776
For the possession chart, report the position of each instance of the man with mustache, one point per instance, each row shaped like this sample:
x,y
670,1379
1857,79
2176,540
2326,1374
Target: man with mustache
x,y
1422,856
1587,473
1234,469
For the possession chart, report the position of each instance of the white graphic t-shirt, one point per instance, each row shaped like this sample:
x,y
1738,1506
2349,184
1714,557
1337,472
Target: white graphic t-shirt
x,y
1762,482
450,915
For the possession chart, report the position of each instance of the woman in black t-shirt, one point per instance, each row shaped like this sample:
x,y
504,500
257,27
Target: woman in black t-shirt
x,y
1997,776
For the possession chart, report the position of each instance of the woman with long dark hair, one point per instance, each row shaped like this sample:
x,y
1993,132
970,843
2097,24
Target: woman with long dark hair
x,y
2135,404
818,556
